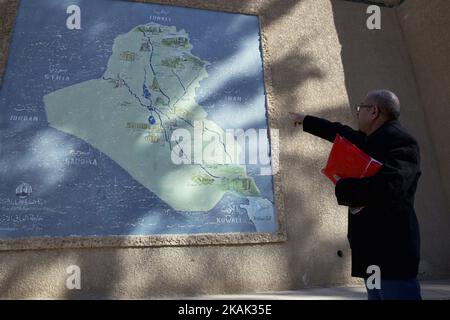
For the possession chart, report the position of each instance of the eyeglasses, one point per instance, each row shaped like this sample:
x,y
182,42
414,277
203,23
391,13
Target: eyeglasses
x,y
361,105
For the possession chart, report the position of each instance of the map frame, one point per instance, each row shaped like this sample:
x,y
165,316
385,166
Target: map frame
x,y
8,12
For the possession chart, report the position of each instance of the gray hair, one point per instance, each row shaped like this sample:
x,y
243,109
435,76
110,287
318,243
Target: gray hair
x,y
387,102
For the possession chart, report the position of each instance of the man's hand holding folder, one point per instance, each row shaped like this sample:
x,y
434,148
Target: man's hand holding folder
x,y
348,161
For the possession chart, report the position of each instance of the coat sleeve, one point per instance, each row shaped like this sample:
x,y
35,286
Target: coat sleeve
x,y
398,173
327,130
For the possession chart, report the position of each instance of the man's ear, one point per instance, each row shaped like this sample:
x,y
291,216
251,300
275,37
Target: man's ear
x,y
375,112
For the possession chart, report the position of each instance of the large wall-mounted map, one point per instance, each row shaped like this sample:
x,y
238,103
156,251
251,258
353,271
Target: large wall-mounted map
x,y
88,116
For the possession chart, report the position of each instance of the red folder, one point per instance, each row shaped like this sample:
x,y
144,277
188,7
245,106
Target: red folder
x,y
348,161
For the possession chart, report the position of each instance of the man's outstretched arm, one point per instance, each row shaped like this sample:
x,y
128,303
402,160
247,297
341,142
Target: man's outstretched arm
x,y
326,129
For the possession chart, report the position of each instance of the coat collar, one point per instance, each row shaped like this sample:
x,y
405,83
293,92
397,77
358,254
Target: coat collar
x,y
383,127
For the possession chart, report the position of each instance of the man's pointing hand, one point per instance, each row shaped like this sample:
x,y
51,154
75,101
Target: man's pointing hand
x,y
297,117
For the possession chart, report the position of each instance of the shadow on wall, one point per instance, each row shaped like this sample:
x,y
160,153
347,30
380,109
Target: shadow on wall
x,y
364,67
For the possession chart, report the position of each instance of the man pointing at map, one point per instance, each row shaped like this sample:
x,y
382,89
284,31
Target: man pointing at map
x,y
385,233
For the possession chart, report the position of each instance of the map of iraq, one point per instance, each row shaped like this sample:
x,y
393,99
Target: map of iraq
x,y
146,93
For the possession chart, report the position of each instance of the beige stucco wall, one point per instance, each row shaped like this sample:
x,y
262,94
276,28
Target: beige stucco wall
x,y
7,9
321,59
389,3
426,27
